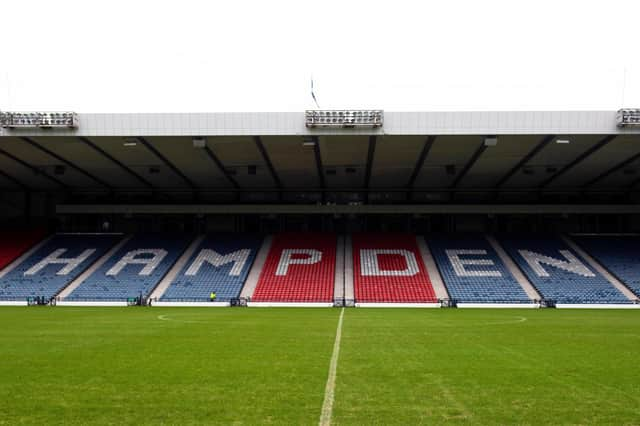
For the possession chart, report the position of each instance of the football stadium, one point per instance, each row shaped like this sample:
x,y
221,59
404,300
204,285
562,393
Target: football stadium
x,y
320,267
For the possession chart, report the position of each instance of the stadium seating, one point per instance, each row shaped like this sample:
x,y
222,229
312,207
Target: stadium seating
x,y
620,255
558,272
472,270
389,268
233,253
35,277
14,243
134,269
300,267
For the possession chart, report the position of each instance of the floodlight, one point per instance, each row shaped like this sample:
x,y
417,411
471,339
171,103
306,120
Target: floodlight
x,y
628,117
344,118
39,119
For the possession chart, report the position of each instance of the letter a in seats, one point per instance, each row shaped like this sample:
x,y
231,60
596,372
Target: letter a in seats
x,y
151,263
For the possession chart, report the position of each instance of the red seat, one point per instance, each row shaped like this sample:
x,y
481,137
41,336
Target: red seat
x,y
410,288
300,282
15,243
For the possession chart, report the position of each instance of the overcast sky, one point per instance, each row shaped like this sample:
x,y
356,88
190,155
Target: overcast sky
x,y
193,56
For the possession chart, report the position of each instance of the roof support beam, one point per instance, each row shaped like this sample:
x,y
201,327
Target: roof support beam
x,y
66,162
267,160
166,162
371,152
428,143
539,147
213,157
115,161
612,170
370,155
318,156
34,169
601,144
476,155
14,180
426,148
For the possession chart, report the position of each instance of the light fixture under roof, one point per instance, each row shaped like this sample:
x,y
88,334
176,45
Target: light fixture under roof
x,y
491,141
563,141
199,141
130,142
308,142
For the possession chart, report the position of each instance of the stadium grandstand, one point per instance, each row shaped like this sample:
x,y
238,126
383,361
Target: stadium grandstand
x,y
321,208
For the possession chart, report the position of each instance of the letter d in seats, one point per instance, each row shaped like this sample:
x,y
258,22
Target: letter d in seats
x,y
370,263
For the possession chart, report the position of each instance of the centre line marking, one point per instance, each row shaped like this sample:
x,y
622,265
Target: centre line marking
x,y
329,390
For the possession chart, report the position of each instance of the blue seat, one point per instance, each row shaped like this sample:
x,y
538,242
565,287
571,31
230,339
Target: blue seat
x,y
109,283
620,255
490,282
570,280
225,280
23,281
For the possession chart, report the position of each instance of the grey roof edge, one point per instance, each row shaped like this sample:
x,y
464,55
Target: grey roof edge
x,y
292,123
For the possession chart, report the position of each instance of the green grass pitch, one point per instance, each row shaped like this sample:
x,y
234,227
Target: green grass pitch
x,y
270,366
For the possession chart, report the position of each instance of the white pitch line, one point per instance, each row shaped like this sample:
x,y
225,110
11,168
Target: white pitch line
x,y
166,318
517,320
329,390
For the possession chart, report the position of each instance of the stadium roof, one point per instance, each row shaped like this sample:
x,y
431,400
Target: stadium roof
x,y
293,123
416,157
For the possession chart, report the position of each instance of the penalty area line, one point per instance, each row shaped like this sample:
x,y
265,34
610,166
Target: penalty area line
x,y
329,390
